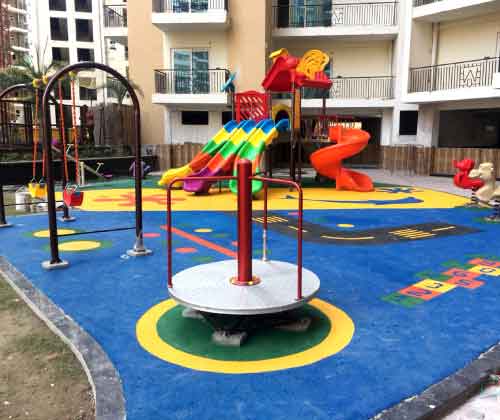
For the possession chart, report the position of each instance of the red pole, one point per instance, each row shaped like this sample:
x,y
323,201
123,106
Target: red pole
x,y
264,232
244,277
169,234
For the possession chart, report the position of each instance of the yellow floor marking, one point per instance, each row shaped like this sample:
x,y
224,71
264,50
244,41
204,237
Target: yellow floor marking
x,y
444,228
46,234
339,337
154,199
76,246
297,229
367,238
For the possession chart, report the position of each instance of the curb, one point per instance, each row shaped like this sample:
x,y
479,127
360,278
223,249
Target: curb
x,y
102,375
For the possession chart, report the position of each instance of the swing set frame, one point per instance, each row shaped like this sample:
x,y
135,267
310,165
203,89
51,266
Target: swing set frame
x,y
138,248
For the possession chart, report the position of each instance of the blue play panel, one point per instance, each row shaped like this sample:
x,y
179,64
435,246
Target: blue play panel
x,y
403,342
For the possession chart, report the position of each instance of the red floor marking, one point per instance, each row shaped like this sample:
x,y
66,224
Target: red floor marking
x,y
203,242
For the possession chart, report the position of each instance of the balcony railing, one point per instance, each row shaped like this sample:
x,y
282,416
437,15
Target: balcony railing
x,y
188,6
328,14
417,3
190,82
374,87
18,4
18,21
460,75
115,16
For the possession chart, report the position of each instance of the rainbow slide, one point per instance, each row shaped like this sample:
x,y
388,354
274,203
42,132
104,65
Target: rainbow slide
x,y
203,157
222,162
254,148
328,161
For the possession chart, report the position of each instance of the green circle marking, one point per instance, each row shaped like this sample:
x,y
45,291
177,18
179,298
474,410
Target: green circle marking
x,y
194,336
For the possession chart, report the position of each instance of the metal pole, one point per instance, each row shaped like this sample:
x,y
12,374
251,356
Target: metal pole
x,y
264,231
244,277
169,235
3,220
55,261
299,246
292,136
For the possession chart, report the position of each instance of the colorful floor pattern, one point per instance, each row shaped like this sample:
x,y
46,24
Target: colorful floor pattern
x,y
421,307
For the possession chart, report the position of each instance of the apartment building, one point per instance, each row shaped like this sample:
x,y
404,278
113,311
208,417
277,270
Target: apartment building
x,y
407,71
14,43
70,31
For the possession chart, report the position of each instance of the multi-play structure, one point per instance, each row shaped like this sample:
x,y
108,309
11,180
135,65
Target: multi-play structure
x,y
256,126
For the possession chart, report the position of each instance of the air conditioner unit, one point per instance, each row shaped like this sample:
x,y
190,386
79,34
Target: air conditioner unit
x,y
496,80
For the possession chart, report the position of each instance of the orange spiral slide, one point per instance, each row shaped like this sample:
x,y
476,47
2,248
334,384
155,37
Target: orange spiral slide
x,y
328,160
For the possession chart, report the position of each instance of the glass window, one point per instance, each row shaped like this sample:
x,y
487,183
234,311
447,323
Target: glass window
x,y
191,71
84,30
408,121
59,5
83,5
61,55
194,117
310,13
85,54
58,29
226,117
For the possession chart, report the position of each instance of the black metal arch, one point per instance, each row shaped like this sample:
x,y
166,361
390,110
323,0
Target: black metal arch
x,y
138,249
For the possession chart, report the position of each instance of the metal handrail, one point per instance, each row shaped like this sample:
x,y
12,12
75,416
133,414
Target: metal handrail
x,y
460,74
186,6
114,19
265,181
190,81
336,14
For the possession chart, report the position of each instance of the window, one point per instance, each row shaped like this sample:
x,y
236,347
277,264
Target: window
x,y
186,6
83,5
87,91
304,13
191,71
61,55
408,121
85,54
59,5
84,30
194,118
226,117
58,29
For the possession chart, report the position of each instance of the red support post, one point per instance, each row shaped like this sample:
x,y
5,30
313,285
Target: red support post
x,y
244,277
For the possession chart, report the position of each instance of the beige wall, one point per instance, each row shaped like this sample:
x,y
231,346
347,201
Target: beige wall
x,y
421,44
350,58
145,55
468,39
247,37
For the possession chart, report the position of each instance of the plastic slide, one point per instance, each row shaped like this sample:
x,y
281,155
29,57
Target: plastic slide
x,y
328,161
253,149
222,162
203,157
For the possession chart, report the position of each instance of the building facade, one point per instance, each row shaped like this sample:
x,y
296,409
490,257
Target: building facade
x,y
14,42
406,71
70,31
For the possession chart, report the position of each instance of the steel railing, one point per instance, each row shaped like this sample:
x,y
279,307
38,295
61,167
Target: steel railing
x,y
371,87
188,6
328,14
18,4
417,3
459,75
197,81
115,16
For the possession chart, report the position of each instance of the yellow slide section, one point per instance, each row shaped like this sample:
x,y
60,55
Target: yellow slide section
x,y
202,158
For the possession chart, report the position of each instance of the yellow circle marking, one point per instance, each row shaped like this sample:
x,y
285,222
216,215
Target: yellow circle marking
x,y
345,225
76,246
46,234
340,335
203,230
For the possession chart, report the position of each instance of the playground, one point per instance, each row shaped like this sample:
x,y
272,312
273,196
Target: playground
x,y
238,294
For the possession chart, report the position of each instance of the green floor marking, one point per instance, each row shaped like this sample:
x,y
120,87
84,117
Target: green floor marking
x,y
194,336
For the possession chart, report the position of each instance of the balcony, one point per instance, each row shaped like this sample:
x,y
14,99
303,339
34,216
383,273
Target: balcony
x,y
327,19
475,79
176,88
19,43
115,23
17,6
443,10
352,92
190,15
18,24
